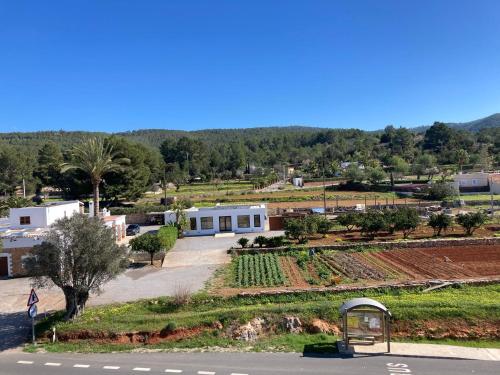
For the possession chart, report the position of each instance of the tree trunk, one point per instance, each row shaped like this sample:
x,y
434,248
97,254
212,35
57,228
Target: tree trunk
x,y
75,301
95,185
152,256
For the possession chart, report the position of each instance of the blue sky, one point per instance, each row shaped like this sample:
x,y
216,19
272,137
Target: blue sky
x,y
123,65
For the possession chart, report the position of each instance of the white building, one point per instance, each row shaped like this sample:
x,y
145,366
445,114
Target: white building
x,y
42,216
477,182
217,219
28,226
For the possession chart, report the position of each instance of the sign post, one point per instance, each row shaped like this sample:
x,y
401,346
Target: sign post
x,y
32,312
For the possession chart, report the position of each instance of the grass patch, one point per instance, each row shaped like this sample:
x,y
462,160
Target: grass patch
x,y
472,303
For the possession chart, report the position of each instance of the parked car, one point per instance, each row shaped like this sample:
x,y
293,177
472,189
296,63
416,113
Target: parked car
x,y
133,229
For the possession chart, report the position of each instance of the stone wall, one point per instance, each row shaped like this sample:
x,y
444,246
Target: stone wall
x,y
16,265
440,242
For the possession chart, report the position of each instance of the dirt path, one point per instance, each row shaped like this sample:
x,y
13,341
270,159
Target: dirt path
x,y
292,272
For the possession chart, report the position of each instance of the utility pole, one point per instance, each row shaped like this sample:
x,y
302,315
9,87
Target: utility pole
x,y
324,186
24,188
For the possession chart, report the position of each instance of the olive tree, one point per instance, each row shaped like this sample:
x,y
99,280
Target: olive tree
x,y
78,255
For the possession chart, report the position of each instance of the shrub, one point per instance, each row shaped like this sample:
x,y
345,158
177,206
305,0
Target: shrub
x,y
349,220
276,241
260,240
182,295
440,222
243,242
170,327
167,236
471,221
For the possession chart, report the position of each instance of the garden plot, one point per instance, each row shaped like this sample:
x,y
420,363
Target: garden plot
x,y
259,270
299,270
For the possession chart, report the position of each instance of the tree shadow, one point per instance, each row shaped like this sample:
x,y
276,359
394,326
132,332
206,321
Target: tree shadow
x,y
15,329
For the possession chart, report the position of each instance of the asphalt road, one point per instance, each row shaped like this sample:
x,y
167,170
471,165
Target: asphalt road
x,y
235,364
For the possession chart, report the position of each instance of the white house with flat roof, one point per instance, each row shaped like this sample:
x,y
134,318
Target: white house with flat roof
x,y
219,219
477,182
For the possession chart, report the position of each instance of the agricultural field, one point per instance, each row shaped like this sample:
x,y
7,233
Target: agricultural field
x,y
259,270
299,269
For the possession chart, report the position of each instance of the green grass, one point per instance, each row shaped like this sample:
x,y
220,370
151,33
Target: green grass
x,y
478,197
468,302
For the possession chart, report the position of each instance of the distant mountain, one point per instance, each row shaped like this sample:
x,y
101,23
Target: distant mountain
x,y
492,121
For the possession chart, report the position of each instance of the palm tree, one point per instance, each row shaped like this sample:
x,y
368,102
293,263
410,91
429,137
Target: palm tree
x,y
95,158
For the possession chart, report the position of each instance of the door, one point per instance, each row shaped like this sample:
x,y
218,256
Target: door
x,y
225,223
4,267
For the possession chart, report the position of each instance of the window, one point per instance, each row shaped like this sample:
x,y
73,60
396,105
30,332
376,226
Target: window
x,y
256,220
192,223
25,220
243,221
207,222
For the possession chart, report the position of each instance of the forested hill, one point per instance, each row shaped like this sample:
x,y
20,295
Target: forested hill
x,y
492,121
155,137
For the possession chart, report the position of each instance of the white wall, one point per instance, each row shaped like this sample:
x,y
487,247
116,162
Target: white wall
x,y
216,212
18,242
43,216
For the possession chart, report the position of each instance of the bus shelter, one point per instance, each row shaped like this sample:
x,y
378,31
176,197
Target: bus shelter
x,y
365,322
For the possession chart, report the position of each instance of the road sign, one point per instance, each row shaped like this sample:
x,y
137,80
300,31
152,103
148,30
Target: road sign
x,y
33,298
32,311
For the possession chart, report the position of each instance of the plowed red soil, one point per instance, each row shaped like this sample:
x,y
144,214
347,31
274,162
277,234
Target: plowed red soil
x,y
445,262
292,272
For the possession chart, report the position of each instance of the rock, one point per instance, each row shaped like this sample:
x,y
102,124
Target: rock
x,y
249,331
292,324
217,325
321,326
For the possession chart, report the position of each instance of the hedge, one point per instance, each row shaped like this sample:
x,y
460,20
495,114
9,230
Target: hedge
x,y
167,235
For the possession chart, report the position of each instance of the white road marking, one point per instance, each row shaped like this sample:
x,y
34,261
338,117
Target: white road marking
x,y
173,370
81,366
52,364
111,367
206,373
141,369
25,362
235,373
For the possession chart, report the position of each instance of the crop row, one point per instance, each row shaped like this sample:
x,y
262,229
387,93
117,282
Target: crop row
x,y
260,269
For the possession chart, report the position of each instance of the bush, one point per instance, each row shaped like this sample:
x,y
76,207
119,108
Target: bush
x,y
182,295
276,241
471,221
170,327
440,222
167,236
260,241
243,242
